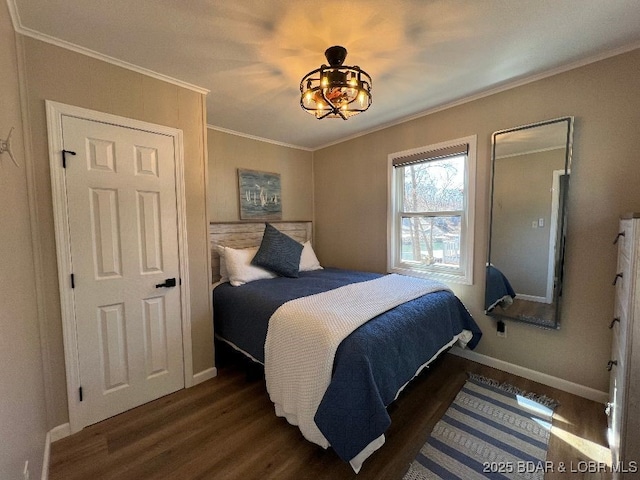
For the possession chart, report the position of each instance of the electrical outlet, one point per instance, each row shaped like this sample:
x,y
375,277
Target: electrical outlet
x,y
501,329
25,472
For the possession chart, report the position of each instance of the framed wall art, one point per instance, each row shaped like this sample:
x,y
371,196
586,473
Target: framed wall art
x,y
260,195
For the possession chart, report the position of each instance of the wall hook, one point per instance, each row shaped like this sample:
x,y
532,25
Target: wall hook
x,y
5,146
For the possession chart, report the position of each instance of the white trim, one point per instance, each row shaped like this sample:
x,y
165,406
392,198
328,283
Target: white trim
x,y
394,191
27,32
196,379
55,112
54,434
60,432
553,230
13,13
534,298
259,139
555,382
183,258
44,475
529,152
204,375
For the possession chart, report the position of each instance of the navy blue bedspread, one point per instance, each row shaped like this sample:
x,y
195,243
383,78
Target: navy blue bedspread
x,y
371,365
498,290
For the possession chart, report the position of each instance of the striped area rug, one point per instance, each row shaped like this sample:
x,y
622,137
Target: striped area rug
x,y
491,430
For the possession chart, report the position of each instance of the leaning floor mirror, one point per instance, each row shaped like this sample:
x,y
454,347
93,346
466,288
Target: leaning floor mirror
x,y
531,166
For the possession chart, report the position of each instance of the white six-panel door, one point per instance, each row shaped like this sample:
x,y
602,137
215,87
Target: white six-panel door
x,y
123,247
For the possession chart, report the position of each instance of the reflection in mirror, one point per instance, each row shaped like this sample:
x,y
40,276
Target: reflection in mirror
x,y
529,188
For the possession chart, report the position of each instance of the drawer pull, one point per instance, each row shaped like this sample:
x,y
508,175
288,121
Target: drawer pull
x,y
610,364
608,409
613,322
615,280
621,234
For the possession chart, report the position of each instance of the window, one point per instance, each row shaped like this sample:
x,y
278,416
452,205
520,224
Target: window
x,y
431,211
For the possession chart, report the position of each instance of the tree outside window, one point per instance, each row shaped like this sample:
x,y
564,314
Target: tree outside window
x,y
433,203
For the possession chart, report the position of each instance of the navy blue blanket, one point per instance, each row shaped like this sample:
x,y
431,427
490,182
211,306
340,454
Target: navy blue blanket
x,y
498,290
241,314
371,365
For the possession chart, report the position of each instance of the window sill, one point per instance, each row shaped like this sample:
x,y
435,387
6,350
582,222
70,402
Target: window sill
x,y
442,276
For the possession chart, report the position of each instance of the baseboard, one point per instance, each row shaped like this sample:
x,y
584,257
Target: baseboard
x,y
60,431
45,457
56,433
204,375
555,382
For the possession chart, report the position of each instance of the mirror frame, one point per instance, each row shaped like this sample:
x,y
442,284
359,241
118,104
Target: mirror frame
x,y
562,222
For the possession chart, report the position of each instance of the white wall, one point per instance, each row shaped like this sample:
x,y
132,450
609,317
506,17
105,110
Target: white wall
x,y
22,403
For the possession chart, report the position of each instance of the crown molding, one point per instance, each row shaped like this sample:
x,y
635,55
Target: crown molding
x,y
13,13
27,32
259,139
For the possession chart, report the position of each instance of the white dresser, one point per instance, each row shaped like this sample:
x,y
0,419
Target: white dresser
x,y
624,406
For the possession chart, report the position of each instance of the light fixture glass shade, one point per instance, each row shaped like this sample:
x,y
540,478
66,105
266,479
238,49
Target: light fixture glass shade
x,y
336,90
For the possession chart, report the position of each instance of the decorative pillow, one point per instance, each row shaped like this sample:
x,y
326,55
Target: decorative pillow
x,y
308,259
278,253
239,268
224,275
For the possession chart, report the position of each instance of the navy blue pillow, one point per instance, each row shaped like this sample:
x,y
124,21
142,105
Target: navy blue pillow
x,y
279,253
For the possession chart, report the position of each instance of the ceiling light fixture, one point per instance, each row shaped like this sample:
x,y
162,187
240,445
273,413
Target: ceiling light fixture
x,y
336,90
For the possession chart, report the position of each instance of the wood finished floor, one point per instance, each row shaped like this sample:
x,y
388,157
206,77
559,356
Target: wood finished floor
x,y
226,428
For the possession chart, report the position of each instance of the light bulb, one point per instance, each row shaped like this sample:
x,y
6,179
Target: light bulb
x,y
362,96
308,96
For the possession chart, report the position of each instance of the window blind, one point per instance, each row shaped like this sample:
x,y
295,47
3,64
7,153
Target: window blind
x,y
427,156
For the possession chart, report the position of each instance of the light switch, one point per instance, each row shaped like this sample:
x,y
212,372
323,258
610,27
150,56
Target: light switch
x,y
541,222
534,224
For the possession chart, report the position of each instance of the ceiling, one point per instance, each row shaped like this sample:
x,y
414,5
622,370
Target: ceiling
x,y
251,54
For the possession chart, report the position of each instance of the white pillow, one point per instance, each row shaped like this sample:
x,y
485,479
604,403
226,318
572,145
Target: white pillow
x,y
224,275
239,268
308,259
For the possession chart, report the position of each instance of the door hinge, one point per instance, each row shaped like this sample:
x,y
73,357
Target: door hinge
x,y
64,157
80,393
73,281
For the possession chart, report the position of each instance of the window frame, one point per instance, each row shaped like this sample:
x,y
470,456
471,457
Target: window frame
x,y
395,184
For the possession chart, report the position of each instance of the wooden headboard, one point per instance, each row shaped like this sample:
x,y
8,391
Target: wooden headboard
x,y
249,234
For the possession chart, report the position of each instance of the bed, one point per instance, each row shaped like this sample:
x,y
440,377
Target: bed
x,y
334,386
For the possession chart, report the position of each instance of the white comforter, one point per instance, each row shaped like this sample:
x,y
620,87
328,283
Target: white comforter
x,y
304,334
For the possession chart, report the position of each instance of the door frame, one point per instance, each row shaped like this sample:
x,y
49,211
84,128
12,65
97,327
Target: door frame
x,y
55,112
553,232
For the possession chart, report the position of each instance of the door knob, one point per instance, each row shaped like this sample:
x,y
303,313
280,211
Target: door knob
x,y
169,282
